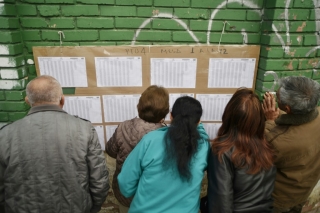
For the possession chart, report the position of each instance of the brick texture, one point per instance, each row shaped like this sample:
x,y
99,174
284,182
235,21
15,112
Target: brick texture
x,y
49,10
9,23
154,11
26,10
15,95
169,3
134,23
166,24
96,1
118,11
80,10
86,22
61,23
33,22
8,10
288,35
10,36
13,73
134,2
113,35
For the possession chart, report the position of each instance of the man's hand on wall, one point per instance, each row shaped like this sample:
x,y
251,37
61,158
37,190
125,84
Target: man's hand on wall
x,y
270,110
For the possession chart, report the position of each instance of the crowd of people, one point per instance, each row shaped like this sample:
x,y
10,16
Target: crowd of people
x,y
263,159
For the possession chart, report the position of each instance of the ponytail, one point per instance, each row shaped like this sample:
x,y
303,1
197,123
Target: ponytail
x,y
181,141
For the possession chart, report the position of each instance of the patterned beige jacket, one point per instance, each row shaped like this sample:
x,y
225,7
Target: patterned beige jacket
x,y
125,138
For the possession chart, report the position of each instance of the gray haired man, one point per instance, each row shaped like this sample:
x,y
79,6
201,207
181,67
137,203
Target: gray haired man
x,y
295,135
51,161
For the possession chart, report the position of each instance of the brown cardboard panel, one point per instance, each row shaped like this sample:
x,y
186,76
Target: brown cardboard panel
x,y
201,52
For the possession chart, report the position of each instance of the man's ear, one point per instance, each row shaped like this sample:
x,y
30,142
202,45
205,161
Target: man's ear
x,y
287,109
61,103
26,99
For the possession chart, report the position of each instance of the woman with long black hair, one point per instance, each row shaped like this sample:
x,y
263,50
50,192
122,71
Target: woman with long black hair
x,y
165,170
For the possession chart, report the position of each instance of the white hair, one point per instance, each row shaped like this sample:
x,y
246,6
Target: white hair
x,y
44,89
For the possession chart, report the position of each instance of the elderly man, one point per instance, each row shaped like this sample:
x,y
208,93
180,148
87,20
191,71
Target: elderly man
x,y
51,161
295,135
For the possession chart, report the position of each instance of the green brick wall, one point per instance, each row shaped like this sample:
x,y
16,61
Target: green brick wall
x,y
13,69
28,23
289,42
287,31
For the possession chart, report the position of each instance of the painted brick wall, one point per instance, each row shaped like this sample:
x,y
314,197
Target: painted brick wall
x,y
289,41
287,30
13,72
28,23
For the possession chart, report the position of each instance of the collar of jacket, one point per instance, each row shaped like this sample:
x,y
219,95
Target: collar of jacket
x,y
292,119
47,107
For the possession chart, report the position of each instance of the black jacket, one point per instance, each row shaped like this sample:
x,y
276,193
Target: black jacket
x,y
233,190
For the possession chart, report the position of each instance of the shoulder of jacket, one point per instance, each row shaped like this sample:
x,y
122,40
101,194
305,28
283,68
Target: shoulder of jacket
x,y
153,134
81,118
6,125
277,133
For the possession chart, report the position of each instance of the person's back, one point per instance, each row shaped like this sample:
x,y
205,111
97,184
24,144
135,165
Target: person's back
x,y
51,162
298,161
240,192
158,182
152,108
295,136
241,173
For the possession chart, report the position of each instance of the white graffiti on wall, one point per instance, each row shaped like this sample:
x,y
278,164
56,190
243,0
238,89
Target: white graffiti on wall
x,y
184,25
164,15
214,13
1,8
249,4
317,17
275,81
245,36
284,47
4,50
286,19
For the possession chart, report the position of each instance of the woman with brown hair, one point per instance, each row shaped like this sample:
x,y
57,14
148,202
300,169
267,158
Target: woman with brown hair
x,y
152,108
241,173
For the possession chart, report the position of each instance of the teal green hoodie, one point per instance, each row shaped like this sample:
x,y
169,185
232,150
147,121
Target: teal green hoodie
x,y
159,189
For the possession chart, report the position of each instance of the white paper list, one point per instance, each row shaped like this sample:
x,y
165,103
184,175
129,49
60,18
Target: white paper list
x,y
118,108
172,98
174,72
69,71
118,71
213,105
87,107
212,129
231,72
99,130
110,129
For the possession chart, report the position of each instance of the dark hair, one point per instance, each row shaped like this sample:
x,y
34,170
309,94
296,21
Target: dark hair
x,y
153,104
181,141
242,128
